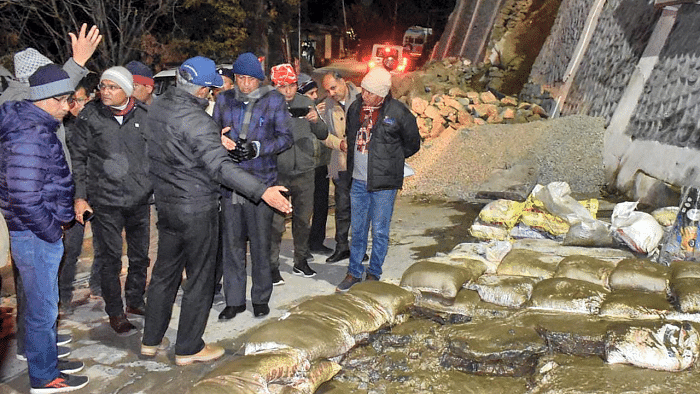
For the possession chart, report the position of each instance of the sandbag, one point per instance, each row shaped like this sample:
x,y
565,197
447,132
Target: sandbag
x,y
585,268
475,267
278,366
665,216
392,298
523,262
567,295
319,373
469,303
490,253
237,382
638,274
541,220
555,199
523,231
664,347
435,278
504,213
485,231
685,269
508,291
686,294
589,233
632,304
356,314
638,230
681,241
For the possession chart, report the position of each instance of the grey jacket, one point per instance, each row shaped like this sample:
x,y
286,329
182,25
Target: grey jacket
x,y
305,154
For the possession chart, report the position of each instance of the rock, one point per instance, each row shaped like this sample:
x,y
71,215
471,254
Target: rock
x,y
433,112
438,128
474,97
479,122
418,105
464,118
488,98
446,111
451,102
539,111
485,110
457,92
508,113
494,119
508,100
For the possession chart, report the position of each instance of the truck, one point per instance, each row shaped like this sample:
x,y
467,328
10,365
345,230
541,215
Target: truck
x,y
414,39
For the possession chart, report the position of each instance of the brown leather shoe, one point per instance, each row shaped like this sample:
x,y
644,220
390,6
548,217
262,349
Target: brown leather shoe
x,y
208,353
136,310
121,325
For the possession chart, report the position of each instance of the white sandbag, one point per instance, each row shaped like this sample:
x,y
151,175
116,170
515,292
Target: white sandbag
x,y
589,233
670,347
557,200
666,216
490,253
639,230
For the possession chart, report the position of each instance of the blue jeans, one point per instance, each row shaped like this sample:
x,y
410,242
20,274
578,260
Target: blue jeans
x,y
38,262
365,208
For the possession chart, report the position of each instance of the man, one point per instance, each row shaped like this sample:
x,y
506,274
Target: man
x,y
36,193
341,95
143,81
295,168
188,163
259,124
110,169
317,233
381,133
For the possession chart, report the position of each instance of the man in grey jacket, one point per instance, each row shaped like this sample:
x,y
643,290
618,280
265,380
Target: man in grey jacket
x,y
188,165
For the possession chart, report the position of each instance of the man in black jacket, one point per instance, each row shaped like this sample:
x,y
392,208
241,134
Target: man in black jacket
x,y
110,166
381,133
188,165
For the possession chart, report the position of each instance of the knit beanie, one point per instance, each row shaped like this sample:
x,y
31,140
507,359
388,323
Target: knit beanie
x,y
27,62
141,72
377,81
305,83
49,81
121,76
248,64
226,72
283,74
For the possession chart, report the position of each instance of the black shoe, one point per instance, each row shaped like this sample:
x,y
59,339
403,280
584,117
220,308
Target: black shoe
x,y
321,249
277,279
231,311
338,255
62,384
63,339
365,258
122,326
347,283
302,268
70,366
136,310
260,310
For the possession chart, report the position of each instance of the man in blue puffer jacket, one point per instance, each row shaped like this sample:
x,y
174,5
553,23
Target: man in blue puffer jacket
x,y
36,198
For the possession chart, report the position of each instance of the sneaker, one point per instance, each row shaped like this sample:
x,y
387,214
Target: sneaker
x,y
150,351
62,384
63,352
219,299
122,326
347,283
63,339
371,277
277,279
70,366
302,268
209,353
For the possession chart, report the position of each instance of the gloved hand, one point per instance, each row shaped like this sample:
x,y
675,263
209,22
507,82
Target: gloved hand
x,y
245,150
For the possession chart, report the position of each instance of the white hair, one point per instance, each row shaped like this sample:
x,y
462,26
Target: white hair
x,y
185,85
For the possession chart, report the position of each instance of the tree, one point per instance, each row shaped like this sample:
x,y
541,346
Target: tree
x,y
44,25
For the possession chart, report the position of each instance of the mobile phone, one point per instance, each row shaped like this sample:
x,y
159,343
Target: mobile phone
x,y
87,216
299,112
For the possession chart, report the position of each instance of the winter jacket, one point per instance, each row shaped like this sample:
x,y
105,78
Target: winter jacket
x,y
305,154
335,116
269,125
188,161
36,189
110,160
393,138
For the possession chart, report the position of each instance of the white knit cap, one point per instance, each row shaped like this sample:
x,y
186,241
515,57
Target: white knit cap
x,y
121,76
377,81
27,62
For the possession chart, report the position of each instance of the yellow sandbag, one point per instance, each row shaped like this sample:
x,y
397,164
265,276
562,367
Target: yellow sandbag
x,y
486,231
504,213
540,219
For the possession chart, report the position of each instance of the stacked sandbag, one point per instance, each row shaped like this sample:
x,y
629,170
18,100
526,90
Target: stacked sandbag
x,y
521,262
508,291
567,295
637,305
642,275
432,279
685,285
586,268
491,253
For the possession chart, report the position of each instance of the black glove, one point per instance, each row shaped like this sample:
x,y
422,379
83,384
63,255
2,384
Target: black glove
x,y
245,150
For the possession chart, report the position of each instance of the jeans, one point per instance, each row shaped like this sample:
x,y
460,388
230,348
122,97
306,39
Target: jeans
x,y
107,227
187,241
342,210
375,208
38,262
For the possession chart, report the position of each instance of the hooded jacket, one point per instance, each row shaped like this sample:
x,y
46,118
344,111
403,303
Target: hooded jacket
x,y
36,189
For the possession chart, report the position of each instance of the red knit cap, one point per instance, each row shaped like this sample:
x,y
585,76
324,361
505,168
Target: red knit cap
x,y
283,74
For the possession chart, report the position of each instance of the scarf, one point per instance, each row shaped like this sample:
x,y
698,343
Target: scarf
x,y
122,112
368,118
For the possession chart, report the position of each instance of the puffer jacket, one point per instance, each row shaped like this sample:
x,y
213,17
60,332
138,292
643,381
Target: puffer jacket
x,y
306,152
110,160
188,161
394,138
36,189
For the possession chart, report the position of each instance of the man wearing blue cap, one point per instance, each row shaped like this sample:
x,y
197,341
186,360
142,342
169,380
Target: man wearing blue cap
x,y
259,122
188,165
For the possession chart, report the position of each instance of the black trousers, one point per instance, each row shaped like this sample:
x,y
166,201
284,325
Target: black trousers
x,y
342,210
72,246
107,227
246,221
301,189
187,241
317,233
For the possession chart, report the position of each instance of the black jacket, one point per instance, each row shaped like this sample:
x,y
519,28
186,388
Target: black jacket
x,y
188,161
110,160
394,137
306,152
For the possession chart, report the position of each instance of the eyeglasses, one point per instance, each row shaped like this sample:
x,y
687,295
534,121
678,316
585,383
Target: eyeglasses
x,y
104,86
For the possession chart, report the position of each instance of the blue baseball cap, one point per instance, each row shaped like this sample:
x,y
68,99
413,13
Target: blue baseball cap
x,y
201,71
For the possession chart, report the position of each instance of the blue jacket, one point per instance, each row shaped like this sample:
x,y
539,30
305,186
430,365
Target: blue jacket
x,y
36,188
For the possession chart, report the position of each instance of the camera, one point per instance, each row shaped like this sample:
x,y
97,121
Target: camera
x,y
299,112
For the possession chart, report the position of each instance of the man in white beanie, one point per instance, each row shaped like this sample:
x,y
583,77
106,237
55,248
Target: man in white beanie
x,y
381,133
111,173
